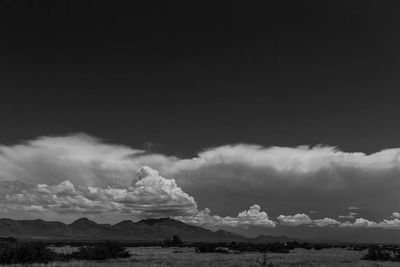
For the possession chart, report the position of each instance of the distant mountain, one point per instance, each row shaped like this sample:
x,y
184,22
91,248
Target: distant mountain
x,y
85,229
144,230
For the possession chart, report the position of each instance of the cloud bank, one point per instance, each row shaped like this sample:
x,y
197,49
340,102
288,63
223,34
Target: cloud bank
x,y
80,174
393,224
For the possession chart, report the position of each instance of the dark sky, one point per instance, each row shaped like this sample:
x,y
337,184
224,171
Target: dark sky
x,y
177,77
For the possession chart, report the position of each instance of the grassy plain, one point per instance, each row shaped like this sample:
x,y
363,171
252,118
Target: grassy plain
x,y
182,257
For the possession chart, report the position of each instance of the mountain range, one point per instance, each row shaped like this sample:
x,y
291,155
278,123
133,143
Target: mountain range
x,y
144,230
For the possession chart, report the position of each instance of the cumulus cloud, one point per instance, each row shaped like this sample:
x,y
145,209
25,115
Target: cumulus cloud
x,y
251,217
300,178
325,222
149,195
393,224
304,219
80,158
396,215
87,174
294,220
350,215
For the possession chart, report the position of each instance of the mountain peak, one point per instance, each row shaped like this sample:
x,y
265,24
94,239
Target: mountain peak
x,y
83,220
160,220
124,223
85,229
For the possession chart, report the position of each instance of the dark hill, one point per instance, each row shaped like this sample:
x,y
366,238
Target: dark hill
x,y
144,230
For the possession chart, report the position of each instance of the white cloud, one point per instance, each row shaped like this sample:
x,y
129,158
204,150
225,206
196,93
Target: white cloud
x,y
390,224
325,222
87,173
358,223
352,208
151,194
301,159
80,158
304,219
294,220
251,217
393,224
396,215
350,215
300,178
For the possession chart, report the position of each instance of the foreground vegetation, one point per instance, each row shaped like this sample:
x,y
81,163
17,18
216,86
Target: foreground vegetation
x,y
187,257
38,252
383,253
174,252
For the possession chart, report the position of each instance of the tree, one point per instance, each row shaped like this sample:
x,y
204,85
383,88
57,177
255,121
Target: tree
x,y
176,241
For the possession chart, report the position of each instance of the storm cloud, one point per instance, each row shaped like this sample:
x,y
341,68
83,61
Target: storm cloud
x,y
79,173
150,195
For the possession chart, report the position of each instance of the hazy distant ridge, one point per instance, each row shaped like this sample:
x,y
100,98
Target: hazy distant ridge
x,y
144,230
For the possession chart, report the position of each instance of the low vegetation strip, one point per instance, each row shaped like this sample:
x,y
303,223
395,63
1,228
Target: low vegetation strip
x,y
14,252
38,252
383,254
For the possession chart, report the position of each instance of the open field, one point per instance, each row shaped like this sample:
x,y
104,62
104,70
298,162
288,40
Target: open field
x,y
157,256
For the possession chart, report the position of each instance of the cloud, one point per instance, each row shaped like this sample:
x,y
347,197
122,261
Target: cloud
x,y
358,223
350,215
299,178
325,222
149,195
352,208
393,224
396,215
294,220
251,217
300,160
80,158
283,180
304,219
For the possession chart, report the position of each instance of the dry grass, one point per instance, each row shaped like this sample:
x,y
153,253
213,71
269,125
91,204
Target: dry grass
x,y
180,257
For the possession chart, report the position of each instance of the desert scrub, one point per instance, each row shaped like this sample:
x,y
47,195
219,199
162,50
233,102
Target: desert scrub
x,y
38,252
35,252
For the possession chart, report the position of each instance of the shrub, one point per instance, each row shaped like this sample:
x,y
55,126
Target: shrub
x,y
12,252
101,251
205,248
382,254
174,242
8,239
243,247
37,252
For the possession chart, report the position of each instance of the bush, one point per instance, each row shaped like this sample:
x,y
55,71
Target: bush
x,y
8,239
101,251
205,248
174,242
37,252
382,254
13,252
242,247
